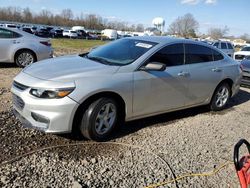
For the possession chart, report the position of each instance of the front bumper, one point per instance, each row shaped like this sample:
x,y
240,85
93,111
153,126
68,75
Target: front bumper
x,y
246,78
33,112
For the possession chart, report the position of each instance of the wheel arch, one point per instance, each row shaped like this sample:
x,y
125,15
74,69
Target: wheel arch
x,y
24,49
229,81
85,104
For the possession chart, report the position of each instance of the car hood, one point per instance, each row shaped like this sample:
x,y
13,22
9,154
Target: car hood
x,y
242,53
68,68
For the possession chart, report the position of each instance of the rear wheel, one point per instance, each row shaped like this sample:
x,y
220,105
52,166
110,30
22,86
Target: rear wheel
x,y
99,119
221,97
24,58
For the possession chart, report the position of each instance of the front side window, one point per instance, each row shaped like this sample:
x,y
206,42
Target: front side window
x,y
223,45
120,52
197,54
171,55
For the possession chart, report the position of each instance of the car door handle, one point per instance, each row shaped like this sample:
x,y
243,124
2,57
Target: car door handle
x,y
216,70
183,74
15,42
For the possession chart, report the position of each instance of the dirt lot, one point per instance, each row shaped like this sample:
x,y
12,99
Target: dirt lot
x,y
173,144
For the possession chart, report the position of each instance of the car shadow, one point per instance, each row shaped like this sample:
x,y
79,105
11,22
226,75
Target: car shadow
x,y
8,65
168,118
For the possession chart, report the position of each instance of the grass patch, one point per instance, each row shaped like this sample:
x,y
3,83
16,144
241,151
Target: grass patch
x,y
79,44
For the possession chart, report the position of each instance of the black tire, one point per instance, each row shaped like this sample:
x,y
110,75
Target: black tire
x,y
88,125
31,58
214,104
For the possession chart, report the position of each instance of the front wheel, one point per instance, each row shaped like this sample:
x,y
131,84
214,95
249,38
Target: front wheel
x,y
221,97
99,119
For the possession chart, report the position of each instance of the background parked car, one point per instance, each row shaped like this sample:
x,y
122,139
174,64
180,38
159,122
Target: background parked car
x,y
22,48
56,33
245,63
42,32
27,29
226,47
70,34
240,55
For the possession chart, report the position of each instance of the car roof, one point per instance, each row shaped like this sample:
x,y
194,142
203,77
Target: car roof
x,y
167,40
23,33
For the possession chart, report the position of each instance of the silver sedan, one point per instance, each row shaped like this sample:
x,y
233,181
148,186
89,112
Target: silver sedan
x,y
245,63
126,79
22,48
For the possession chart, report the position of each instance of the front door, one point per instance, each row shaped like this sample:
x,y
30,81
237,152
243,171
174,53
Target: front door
x,y
159,91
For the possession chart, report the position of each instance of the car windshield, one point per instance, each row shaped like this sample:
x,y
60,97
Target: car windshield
x,y
246,48
120,52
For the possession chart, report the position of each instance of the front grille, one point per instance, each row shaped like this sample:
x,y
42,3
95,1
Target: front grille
x,y
18,102
20,86
239,57
246,78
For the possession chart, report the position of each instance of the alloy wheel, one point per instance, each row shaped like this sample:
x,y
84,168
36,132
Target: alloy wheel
x,y
105,118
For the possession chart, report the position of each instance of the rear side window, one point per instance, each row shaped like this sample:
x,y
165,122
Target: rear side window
x,y
217,55
229,45
6,34
171,55
223,45
197,54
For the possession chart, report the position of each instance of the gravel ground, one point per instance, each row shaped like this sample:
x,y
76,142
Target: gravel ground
x,y
173,144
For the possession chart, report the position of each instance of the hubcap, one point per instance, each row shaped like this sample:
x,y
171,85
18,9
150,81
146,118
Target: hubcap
x,y
25,59
105,118
222,97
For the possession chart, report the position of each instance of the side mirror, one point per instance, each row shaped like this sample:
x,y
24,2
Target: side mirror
x,y
154,66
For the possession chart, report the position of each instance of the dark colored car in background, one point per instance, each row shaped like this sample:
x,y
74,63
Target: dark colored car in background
x,y
56,33
27,29
42,32
245,63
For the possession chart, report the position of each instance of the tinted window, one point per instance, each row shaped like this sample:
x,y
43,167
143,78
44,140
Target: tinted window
x,y
170,55
197,54
5,34
217,55
216,44
229,45
245,49
223,45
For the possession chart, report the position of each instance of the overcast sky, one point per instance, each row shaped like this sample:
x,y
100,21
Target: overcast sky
x,y
209,13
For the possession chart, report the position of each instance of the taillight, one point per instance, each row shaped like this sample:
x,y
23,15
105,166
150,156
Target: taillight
x,y
46,43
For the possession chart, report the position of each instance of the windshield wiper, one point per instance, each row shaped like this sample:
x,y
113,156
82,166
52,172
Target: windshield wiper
x,y
100,60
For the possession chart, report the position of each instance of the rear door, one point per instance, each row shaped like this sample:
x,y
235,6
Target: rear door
x,y
158,91
205,73
8,39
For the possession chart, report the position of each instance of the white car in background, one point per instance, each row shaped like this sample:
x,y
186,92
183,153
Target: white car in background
x,y
226,47
240,55
109,34
70,34
23,48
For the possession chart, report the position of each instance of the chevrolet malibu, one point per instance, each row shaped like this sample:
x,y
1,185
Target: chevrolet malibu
x,y
23,48
126,79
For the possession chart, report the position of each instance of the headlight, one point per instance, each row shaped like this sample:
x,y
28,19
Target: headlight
x,y
51,93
